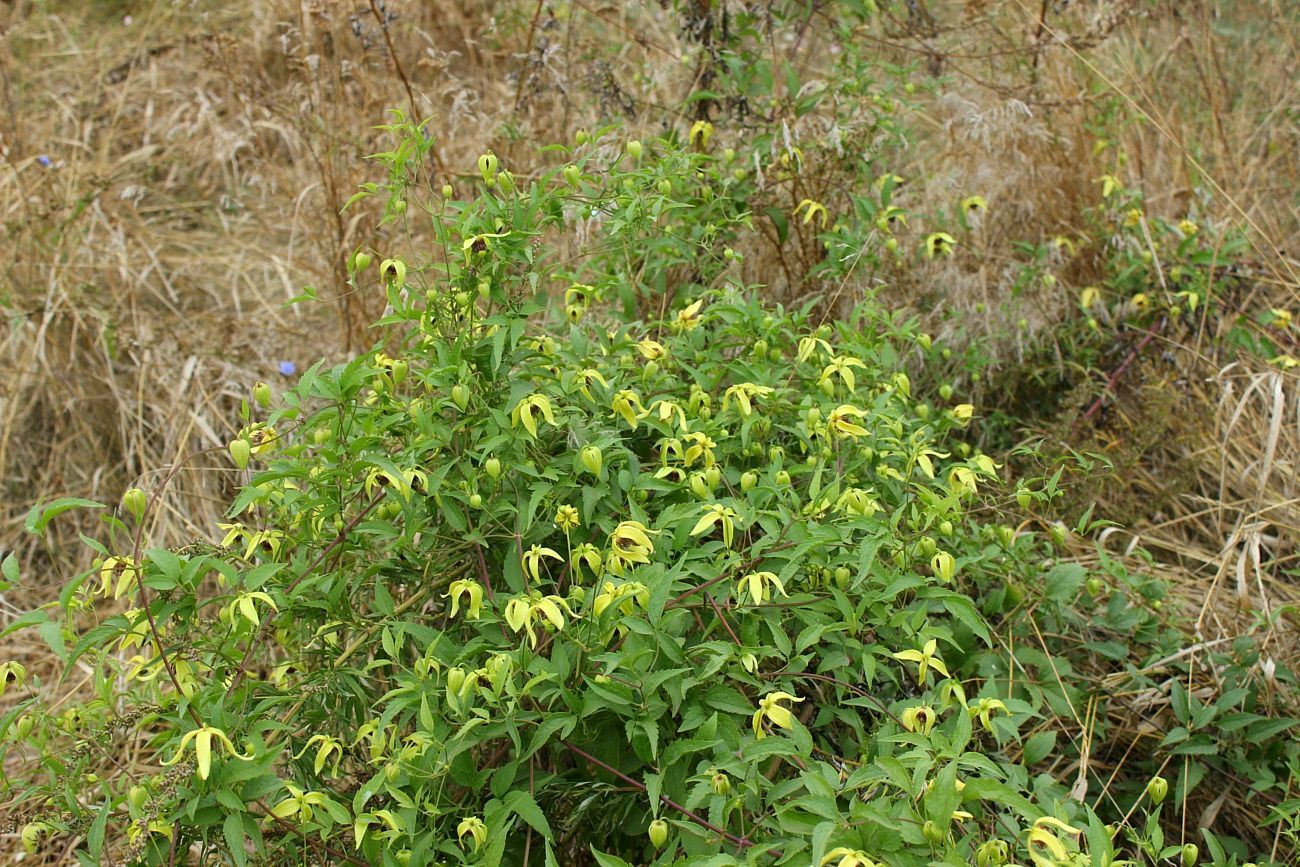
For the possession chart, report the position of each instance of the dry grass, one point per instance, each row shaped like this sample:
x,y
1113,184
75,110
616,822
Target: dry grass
x,y
201,153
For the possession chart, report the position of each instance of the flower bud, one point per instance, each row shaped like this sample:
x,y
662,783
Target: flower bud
x,y
239,452
591,459
23,727
476,501
360,261
713,476
747,481
634,149
665,187
721,784
658,833
932,832
487,167
506,182
1191,855
137,796
783,478
134,501
991,853
460,395
842,576
923,340
493,468
1157,789
945,391
1094,586
400,369
581,137
447,191
573,175
698,486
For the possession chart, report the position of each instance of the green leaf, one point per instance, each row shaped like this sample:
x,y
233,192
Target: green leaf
x,y
41,514
9,570
522,804
1039,746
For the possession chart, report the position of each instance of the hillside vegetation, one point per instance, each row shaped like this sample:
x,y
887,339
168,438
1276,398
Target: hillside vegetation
x,y
699,432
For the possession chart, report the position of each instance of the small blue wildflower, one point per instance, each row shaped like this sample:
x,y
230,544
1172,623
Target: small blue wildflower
x,y
288,368
45,161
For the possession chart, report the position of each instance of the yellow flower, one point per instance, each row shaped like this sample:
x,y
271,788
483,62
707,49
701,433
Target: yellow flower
x,y
858,502
847,858
701,131
1281,318
843,368
944,566
813,208
974,204
626,595
629,544
651,350
1109,184
688,317
328,746
1188,228
245,605
757,584
963,411
668,410
808,345
473,826
939,244
744,394
587,555
566,518
627,404
717,514
522,611
299,803
919,719
1132,217
12,672
124,569
524,410
586,378
702,446
533,560
1286,362
202,738
1039,835
925,659
984,709
770,709
470,589
841,421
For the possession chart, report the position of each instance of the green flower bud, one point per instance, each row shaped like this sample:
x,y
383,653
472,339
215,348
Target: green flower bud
x,y
721,784
461,298
713,476
262,395
400,369
1024,498
493,468
923,340
739,174
591,459
506,182
945,527
842,576
1157,789
1191,855
484,289
945,391
932,832
1094,586
476,501
992,853
747,481
460,395
634,150
783,478
23,727
658,832
665,187
728,154
581,137
573,176
399,206
136,797
239,452
698,486
487,167
447,191
134,501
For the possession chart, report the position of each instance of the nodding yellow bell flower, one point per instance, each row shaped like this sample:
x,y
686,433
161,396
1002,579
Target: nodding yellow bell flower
x,y
328,746
299,804
843,368
1088,297
771,710
688,317
12,672
963,411
983,710
524,412
533,560
744,393
841,421
627,596
473,592
759,585
1281,318
1040,836
714,514
118,574
1065,245
974,204
579,294
631,542
939,244
586,378
701,447
587,555
1286,362
566,518
651,350
474,827
811,209
843,856
925,659
627,405
668,410
203,737
919,719
245,605
1109,184
1133,217
808,345
1141,301
701,131
523,611
856,501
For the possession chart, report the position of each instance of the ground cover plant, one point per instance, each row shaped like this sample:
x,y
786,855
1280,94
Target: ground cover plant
x,y
682,508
